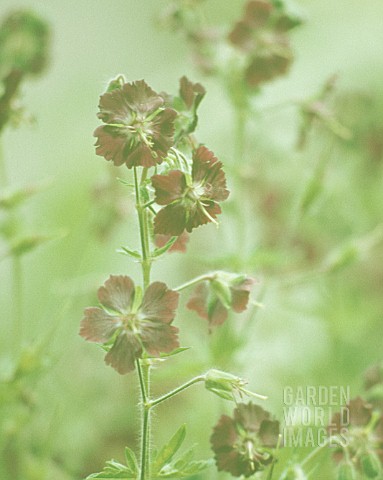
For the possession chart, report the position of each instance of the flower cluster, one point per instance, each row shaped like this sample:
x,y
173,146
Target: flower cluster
x,y
262,35
243,443
129,326
145,129
359,430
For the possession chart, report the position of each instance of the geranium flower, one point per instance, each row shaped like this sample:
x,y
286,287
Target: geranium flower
x,y
131,326
262,35
360,430
242,444
213,298
139,129
190,200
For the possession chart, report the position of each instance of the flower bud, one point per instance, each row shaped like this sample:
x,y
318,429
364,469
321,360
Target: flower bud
x,y
371,465
225,385
346,471
115,83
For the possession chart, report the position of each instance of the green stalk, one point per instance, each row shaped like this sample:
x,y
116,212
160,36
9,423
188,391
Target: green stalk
x,y
143,222
177,390
144,370
194,281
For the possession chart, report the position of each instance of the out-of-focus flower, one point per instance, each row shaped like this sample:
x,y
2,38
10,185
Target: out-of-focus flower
x,y
190,200
24,42
139,128
242,444
262,34
360,431
224,291
130,326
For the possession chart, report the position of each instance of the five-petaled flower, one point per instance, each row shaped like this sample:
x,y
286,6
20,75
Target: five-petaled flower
x,y
213,298
261,34
190,200
242,444
130,326
139,128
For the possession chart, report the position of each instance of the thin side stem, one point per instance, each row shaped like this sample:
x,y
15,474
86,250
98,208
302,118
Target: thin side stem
x,y
194,281
172,393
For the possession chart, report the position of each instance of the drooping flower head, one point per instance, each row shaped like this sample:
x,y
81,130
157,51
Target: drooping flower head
x,y
139,128
262,35
213,298
190,200
130,325
360,430
242,444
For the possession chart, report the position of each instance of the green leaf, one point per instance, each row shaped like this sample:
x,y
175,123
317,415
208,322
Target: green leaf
x,y
161,250
128,251
174,352
168,451
131,460
115,469
190,469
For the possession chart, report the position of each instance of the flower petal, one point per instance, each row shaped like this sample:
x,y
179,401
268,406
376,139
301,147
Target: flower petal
x,y
250,416
140,97
197,214
159,303
258,12
170,187
191,92
158,337
240,294
114,108
123,354
117,293
360,412
97,325
171,220
111,144
269,433
162,128
207,307
207,172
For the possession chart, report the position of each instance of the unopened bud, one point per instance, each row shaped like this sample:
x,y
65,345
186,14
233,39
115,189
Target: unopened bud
x,y
346,471
226,385
371,465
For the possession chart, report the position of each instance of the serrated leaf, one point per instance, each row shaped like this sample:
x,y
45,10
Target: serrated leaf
x,y
192,468
131,460
168,451
161,250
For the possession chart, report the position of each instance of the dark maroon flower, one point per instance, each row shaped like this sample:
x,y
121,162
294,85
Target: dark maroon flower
x,y
139,129
213,298
360,431
190,200
242,444
262,35
190,97
130,326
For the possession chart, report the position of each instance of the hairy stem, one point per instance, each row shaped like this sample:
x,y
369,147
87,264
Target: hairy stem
x,y
172,393
143,369
144,233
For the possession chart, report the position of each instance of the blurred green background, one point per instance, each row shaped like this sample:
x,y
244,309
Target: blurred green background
x,y
313,329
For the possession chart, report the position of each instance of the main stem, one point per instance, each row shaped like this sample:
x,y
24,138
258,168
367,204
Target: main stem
x,y
143,370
